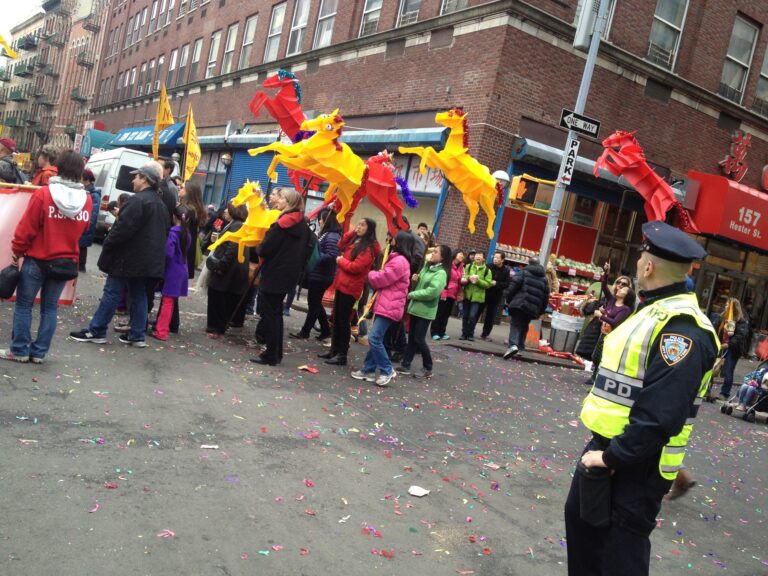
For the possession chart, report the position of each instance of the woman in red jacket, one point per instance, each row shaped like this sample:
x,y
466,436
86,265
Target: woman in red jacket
x,y
359,249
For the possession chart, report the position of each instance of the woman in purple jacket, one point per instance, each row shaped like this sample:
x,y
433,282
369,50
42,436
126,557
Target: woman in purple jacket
x,y
619,304
391,284
176,271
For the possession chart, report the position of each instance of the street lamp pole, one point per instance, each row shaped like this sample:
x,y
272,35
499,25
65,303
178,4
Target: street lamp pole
x,y
572,143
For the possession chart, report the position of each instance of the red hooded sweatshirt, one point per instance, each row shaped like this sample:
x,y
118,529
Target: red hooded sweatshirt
x,y
56,217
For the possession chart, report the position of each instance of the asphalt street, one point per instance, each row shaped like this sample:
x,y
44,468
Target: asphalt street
x,y
185,458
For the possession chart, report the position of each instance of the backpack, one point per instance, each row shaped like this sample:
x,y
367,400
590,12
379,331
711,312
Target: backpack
x,y
313,259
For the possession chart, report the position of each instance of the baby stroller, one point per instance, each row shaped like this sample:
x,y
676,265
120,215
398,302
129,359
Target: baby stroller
x,y
756,379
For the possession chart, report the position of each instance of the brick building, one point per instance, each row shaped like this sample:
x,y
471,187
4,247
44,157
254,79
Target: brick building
x,y
48,87
684,75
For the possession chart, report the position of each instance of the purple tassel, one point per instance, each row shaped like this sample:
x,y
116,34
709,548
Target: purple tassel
x,y
303,135
410,201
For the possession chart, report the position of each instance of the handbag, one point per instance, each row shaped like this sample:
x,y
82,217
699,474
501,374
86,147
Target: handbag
x,y
9,279
59,268
204,279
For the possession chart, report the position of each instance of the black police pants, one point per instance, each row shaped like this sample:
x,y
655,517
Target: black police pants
x,y
622,548
272,317
492,300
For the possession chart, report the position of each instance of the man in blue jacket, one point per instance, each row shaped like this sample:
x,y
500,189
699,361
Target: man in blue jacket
x,y
87,238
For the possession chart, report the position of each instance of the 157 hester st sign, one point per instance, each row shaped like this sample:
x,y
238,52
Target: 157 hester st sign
x,y
578,123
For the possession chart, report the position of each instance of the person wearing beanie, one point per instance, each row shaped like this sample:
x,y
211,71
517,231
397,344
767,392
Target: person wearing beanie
x,y
86,240
9,171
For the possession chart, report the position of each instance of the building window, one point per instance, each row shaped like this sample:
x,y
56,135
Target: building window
x,y
171,68
161,14
150,74
171,4
738,60
196,53
248,35
182,8
592,4
160,63
133,82
118,85
229,49
275,28
666,31
143,21
127,84
153,18
128,34
142,71
371,15
452,6
213,53
760,105
192,5
409,12
325,22
298,27
137,28
183,59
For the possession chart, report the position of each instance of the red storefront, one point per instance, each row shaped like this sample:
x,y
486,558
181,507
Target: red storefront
x,y
733,218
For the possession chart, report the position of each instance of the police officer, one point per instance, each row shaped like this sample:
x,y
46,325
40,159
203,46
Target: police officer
x,y
655,370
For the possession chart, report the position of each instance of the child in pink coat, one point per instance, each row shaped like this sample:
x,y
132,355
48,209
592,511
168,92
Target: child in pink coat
x,y
391,284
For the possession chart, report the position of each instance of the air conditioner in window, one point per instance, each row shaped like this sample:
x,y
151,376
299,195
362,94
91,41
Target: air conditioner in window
x,y
453,6
659,55
409,17
370,27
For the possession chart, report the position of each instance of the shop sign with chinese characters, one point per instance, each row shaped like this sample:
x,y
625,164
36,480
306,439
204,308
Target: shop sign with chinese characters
x,y
734,166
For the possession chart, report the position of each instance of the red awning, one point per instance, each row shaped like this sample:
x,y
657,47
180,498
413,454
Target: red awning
x,y
727,208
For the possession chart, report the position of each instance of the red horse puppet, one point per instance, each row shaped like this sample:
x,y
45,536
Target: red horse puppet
x,y
624,157
285,109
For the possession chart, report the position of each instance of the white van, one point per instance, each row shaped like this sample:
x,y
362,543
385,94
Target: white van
x,y
112,170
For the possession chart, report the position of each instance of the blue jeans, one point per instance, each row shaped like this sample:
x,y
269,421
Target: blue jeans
x,y
377,356
729,366
747,394
113,287
518,330
469,320
31,281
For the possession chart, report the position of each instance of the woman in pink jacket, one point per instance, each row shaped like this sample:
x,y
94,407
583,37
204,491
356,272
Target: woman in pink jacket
x,y
448,298
391,284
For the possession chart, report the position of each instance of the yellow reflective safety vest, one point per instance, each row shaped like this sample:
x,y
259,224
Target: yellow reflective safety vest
x,y
622,370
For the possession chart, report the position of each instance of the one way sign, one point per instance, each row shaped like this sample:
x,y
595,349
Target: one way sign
x,y
578,123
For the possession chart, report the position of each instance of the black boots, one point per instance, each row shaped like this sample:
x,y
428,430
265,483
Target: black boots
x,y
337,360
327,355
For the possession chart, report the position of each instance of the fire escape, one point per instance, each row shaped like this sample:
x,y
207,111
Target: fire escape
x,y
85,60
50,66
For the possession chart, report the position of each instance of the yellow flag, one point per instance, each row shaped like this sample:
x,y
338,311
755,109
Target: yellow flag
x,y
162,121
193,153
5,42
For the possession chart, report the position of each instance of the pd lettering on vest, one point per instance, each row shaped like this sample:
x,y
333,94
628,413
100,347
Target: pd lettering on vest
x,y
618,388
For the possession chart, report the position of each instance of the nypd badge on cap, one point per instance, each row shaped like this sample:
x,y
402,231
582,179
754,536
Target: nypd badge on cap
x,y
670,243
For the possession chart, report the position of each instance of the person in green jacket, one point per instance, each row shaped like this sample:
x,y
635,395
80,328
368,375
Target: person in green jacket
x,y
477,279
422,307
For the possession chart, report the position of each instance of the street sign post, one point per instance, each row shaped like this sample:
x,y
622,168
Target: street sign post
x,y
569,164
578,123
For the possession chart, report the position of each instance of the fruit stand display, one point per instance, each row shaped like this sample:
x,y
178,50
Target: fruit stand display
x,y
515,254
575,276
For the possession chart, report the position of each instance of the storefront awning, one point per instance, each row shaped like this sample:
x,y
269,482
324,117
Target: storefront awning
x,y
142,136
360,140
95,141
729,209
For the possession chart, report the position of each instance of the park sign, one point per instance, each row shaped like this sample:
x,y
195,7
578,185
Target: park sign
x,y
578,123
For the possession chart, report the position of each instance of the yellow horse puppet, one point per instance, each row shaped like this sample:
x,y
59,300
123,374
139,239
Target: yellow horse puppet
x,y
323,155
474,181
255,227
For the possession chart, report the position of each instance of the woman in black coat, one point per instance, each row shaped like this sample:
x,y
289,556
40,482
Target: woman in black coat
x,y
283,256
734,335
229,277
321,277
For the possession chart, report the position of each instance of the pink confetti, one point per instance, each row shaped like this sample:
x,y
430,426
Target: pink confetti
x,y
574,423
244,556
94,509
308,483
166,533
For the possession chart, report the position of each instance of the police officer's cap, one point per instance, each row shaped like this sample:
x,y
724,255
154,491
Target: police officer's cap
x,y
670,243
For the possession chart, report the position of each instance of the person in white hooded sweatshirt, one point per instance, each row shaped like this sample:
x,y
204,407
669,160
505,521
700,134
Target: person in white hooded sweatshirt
x,y
46,246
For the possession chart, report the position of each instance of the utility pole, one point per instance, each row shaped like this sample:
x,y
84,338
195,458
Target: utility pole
x,y
572,143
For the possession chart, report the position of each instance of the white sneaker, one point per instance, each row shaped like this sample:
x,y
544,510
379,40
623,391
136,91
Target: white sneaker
x,y
384,379
511,351
367,376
